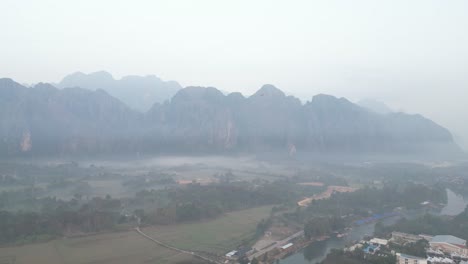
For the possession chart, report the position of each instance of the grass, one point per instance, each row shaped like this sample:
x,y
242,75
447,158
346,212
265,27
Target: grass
x,y
216,236
115,248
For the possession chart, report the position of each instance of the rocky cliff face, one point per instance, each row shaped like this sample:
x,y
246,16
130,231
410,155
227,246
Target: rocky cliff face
x,y
62,121
46,120
204,118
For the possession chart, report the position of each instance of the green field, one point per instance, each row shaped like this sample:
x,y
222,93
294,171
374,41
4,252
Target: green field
x,y
114,248
216,236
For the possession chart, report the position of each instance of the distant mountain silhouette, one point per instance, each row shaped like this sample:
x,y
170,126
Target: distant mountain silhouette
x,y
71,120
138,92
376,106
47,120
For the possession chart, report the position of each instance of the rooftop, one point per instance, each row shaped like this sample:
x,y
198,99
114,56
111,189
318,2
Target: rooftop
x,y
409,256
379,241
448,239
287,246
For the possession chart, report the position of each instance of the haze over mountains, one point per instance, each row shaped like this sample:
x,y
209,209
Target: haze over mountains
x,y
375,105
45,120
138,92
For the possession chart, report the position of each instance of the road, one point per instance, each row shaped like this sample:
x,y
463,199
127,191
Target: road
x,y
176,249
326,194
276,244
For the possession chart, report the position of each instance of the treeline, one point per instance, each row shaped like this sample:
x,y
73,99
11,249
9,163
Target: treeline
x,y
417,249
195,202
50,217
59,218
149,179
366,201
320,226
431,225
357,257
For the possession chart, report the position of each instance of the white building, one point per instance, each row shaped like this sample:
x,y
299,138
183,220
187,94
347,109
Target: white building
x,y
379,241
440,260
287,246
231,254
449,244
408,259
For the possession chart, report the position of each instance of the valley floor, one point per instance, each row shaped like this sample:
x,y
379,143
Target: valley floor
x,y
215,236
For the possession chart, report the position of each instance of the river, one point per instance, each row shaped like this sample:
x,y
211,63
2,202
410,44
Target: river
x,y
456,203
317,251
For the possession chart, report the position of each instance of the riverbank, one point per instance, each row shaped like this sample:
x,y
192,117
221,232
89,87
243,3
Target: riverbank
x,y
284,251
317,251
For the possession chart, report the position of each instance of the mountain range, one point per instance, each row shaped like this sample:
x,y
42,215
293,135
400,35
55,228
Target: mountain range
x,y
138,92
45,120
376,106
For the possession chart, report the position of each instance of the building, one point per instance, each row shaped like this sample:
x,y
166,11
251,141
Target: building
x,y
440,260
371,249
403,238
426,237
408,259
231,254
379,241
449,245
354,247
287,246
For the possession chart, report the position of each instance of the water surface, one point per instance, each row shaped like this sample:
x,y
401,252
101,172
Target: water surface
x,y
456,204
317,251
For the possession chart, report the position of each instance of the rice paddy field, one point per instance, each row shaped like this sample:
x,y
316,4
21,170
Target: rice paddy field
x,y
114,248
215,236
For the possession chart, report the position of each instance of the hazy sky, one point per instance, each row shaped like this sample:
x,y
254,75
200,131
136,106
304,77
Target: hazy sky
x,y
411,54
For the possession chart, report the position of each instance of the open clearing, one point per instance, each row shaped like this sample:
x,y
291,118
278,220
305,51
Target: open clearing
x,y
114,248
326,194
216,236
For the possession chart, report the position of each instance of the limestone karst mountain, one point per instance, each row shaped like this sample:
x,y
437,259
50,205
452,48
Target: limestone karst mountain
x,y
197,119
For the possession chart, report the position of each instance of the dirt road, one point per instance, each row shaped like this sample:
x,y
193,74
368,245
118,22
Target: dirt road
x,y
176,249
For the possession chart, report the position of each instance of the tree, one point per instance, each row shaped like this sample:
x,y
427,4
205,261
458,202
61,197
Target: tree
x,y
243,260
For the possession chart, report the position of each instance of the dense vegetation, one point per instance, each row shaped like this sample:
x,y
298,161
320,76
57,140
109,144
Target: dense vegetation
x,y
367,201
323,217
356,257
431,225
417,249
54,217
59,218
319,226
195,202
